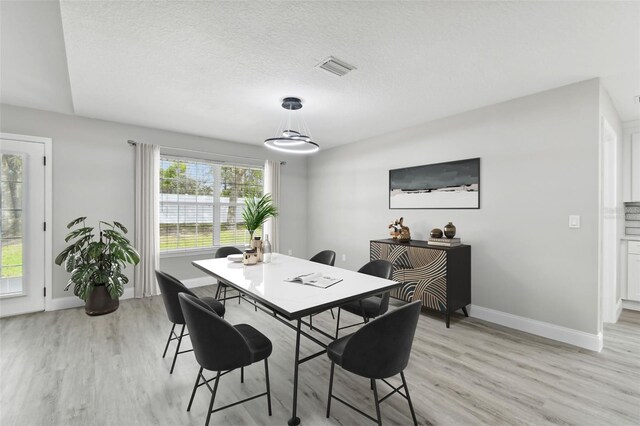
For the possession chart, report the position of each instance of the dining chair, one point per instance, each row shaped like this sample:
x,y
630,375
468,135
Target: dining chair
x,y
222,347
222,287
377,351
170,288
326,257
369,307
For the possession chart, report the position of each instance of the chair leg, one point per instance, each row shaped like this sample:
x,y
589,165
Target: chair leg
x,y
241,374
168,340
332,316
224,298
213,397
217,296
333,365
406,389
375,398
266,373
195,387
338,323
310,322
175,357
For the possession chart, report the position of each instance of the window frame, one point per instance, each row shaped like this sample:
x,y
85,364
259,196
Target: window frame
x,y
217,204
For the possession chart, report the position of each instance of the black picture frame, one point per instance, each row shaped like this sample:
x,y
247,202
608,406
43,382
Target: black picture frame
x,y
447,185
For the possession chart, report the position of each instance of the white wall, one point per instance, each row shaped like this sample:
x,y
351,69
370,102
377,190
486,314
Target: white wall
x,y
93,175
539,164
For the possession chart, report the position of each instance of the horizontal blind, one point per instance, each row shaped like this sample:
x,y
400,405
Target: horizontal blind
x,y
201,203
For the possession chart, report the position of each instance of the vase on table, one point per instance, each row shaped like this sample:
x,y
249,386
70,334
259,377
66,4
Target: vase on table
x,y
449,230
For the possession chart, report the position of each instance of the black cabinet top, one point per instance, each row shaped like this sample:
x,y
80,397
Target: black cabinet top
x,y
417,243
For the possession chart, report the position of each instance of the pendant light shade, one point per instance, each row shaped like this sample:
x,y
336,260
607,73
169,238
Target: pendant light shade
x,y
293,135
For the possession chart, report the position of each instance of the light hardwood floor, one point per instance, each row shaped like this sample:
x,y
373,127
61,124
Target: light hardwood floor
x,y
64,368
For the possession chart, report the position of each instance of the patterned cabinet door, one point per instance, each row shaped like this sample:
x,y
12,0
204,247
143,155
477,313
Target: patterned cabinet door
x,y
427,278
392,253
422,271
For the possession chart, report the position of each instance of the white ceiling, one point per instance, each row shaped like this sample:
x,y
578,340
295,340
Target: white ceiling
x,y
220,69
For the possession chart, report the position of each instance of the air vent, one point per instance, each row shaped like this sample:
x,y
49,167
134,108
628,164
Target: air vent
x,y
335,66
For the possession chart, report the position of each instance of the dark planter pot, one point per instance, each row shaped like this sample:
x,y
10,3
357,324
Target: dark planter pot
x,y
100,302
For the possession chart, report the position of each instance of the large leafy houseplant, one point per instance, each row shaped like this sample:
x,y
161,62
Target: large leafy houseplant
x,y
257,211
97,259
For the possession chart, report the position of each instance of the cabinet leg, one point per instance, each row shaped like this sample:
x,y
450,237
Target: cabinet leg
x,y
448,317
464,310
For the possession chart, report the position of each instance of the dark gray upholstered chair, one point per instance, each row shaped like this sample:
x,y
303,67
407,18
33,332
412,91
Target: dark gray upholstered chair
x,y
326,257
170,288
222,347
370,307
222,287
378,350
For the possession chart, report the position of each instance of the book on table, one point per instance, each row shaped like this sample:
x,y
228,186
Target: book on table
x,y
315,279
444,242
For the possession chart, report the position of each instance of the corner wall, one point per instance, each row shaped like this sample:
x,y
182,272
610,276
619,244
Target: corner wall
x,y
539,164
93,175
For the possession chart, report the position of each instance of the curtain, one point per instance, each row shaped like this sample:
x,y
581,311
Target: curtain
x,y
272,186
147,226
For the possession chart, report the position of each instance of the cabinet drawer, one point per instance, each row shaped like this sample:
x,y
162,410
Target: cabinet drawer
x,y
633,247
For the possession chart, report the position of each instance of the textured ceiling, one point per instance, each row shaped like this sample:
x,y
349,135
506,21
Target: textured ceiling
x,y
219,69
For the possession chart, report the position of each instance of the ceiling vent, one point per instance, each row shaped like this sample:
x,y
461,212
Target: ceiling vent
x,y
335,66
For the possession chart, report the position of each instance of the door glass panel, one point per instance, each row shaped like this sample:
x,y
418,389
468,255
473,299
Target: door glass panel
x,y
11,210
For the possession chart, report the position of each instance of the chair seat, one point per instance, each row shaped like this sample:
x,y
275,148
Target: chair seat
x,y
259,344
336,349
371,306
215,306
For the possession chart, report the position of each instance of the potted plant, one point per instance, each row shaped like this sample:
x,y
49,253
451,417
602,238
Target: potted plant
x,y
96,264
257,211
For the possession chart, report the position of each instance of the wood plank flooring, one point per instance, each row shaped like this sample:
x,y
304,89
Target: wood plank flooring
x,y
65,368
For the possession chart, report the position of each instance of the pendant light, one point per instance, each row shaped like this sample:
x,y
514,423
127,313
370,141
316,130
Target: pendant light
x,y
293,135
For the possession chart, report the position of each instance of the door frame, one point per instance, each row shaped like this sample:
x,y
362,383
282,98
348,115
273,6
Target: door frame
x,y
48,209
608,284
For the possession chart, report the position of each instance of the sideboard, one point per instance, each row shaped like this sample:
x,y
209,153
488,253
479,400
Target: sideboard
x,y
440,277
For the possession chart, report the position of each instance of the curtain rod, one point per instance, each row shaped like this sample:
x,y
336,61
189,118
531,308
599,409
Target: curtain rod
x,y
134,143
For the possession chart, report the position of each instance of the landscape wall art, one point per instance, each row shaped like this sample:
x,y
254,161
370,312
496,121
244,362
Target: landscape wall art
x,y
451,185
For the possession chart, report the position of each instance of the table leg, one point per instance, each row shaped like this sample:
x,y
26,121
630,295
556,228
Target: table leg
x,y
293,421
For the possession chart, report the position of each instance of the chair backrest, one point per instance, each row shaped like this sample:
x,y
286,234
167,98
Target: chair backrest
x,y
217,344
381,348
326,257
378,268
226,251
382,269
170,288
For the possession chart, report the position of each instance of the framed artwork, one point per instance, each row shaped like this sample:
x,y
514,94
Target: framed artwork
x,y
451,185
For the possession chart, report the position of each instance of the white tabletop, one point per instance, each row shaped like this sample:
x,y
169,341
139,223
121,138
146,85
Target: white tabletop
x,y
266,283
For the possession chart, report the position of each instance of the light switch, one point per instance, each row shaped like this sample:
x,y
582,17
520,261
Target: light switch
x,y
574,221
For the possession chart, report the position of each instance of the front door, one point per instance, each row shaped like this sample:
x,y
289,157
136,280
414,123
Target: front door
x,y
22,248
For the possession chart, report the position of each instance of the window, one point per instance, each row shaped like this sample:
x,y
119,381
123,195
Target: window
x,y
201,203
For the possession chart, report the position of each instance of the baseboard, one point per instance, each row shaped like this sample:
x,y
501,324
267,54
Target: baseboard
x,y
573,337
199,282
618,309
631,304
75,302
